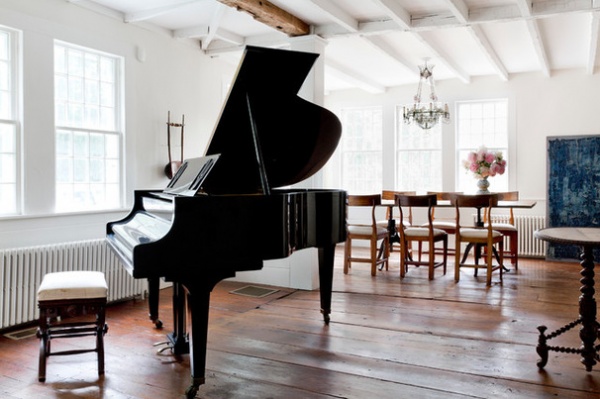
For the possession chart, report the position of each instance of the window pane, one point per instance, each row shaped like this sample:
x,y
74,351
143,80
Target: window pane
x,y
64,170
7,168
88,163
81,144
361,150
10,126
418,156
483,123
64,143
4,46
7,138
8,195
92,66
4,75
75,62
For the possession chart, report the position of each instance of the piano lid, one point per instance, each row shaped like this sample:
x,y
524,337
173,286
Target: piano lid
x,y
266,133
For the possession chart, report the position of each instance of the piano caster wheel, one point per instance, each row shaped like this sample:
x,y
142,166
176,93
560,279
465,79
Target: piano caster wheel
x,y
191,392
326,317
157,324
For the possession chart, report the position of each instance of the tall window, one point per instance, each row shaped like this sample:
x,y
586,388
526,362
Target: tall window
x,y
9,123
418,156
361,166
481,123
88,117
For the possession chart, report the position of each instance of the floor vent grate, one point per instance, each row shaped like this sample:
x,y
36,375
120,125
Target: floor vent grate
x,y
253,291
21,334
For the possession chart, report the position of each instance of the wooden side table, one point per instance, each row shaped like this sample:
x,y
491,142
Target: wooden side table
x,y
587,238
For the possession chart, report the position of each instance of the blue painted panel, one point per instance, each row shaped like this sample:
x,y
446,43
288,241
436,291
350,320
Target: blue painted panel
x,y
573,188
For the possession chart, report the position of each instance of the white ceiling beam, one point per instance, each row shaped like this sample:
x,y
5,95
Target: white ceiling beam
x,y
438,53
155,12
353,78
213,25
461,12
271,40
380,44
201,32
551,7
194,32
459,9
526,7
396,12
336,14
593,51
488,50
538,46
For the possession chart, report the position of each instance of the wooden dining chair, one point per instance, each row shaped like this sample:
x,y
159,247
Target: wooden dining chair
x,y
392,221
427,234
448,224
476,236
509,229
370,231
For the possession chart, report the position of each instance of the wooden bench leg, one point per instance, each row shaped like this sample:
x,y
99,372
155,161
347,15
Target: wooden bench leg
x,y
101,329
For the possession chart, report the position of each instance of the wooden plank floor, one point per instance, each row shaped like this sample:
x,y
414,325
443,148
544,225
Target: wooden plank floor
x,y
387,339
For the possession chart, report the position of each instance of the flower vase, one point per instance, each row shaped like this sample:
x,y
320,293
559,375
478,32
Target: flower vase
x,y
483,185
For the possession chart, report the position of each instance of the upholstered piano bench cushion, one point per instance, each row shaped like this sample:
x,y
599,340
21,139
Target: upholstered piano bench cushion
x,y
72,285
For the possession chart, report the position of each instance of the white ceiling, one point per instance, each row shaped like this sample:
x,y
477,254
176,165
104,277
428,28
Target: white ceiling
x,y
376,44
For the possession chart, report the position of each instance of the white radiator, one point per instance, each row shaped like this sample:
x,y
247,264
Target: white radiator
x,y
22,270
529,246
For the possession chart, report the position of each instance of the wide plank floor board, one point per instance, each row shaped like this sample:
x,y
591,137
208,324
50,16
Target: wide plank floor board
x,y
388,338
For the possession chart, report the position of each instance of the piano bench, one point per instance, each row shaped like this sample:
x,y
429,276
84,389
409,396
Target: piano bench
x,y
80,294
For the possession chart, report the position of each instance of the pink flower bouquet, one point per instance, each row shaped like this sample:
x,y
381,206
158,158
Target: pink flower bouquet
x,y
484,163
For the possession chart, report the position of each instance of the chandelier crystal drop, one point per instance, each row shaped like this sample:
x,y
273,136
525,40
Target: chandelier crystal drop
x,y
426,115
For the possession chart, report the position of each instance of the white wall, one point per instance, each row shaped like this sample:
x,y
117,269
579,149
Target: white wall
x,y
567,103
175,75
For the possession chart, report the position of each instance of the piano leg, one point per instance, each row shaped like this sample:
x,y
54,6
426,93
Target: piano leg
x,y
198,301
326,259
178,339
153,297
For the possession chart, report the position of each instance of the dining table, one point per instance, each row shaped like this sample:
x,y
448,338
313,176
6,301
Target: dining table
x,y
394,237
587,238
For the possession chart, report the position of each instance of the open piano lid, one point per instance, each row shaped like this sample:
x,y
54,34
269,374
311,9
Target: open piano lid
x,y
268,136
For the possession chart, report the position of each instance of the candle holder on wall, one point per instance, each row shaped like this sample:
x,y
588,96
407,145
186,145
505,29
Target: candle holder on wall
x,y
173,165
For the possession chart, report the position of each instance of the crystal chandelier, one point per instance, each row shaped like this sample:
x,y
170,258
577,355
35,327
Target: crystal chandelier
x,y
426,115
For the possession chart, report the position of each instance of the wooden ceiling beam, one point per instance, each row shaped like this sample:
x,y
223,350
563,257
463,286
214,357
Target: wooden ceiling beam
x,y
271,15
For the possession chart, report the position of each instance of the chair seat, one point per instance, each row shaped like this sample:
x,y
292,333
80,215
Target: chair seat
x,y
72,285
478,233
503,226
365,230
421,232
441,224
384,223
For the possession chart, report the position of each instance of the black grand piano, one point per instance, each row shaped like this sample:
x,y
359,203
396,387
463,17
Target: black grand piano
x,y
268,139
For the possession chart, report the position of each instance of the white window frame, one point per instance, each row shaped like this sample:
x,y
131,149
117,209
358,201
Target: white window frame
x,y
425,141
13,205
497,183
368,182
110,186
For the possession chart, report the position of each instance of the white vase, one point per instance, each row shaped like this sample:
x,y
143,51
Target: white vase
x,y
483,185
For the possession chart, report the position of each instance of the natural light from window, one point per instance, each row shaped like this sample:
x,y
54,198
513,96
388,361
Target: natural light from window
x,y
481,123
361,165
9,124
418,156
88,135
